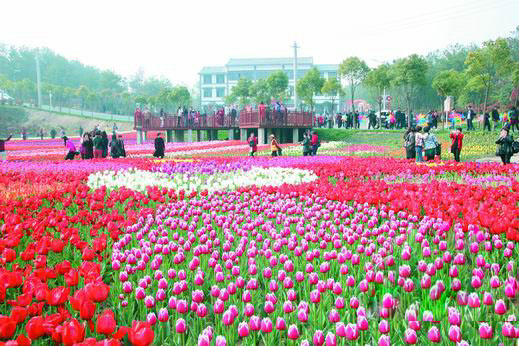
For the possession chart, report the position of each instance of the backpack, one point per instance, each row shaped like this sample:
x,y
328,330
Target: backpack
x,y
515,147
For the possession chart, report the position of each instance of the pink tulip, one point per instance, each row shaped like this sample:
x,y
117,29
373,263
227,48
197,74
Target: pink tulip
x,y
203,340
266,325
163,315
340,329
352,332
220,341
339,303
384,326
387,301
302,316
281,324
243,329
473,300
508,330
485,331
454,333
248,310
255,323
334,316
410,336
384,340
331,340
293,332
354,303
434,335
181,326
269,307
227,318
362,323
500,307
318,338
151,318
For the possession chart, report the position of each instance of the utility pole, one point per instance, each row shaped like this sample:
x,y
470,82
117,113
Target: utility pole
x,y
295,73
38,82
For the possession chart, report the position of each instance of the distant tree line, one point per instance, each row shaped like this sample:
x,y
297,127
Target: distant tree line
x,y
75,85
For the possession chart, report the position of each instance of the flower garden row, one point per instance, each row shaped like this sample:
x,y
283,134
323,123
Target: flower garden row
x,y
288,250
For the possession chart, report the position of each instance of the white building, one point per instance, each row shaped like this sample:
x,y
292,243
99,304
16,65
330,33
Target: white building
x,y
216,82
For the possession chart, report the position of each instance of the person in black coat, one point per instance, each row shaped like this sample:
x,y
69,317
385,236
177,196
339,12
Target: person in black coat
x,y
104,138
486,121
89,146
505,144
159,146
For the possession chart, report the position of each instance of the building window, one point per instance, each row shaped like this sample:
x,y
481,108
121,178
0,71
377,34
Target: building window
x,y
220,79
207,79
220,92
208,92
233,76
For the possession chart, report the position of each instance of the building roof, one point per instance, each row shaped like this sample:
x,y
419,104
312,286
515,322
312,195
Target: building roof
x,y
270,61
213,69
327,67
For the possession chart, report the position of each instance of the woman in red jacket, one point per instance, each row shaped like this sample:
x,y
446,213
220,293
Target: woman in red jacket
x,y
457,143
253,144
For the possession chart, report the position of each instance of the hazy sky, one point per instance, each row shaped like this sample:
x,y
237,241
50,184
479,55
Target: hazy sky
x,y
176,38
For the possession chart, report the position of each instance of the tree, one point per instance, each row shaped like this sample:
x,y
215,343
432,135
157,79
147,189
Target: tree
x,y
332,88
515,82
180,96
409,75
242,91
488,63
277,84
260,92
448,83
311,84
82,92
379,79
354,70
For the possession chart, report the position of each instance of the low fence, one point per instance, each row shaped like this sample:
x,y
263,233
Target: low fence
x,y
88,114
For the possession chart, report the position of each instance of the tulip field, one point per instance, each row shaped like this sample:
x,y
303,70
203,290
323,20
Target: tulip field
x,y
211,247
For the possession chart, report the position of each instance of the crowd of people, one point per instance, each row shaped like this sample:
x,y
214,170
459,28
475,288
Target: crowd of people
x,y
310,144
189,118
95,145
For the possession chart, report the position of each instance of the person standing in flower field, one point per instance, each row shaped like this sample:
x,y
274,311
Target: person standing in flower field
x,y
3,152
98,146
409,144
504,145
71,149
253,144
430,144
274,146
419,138
306,145
457,143
469,115
316,143
160,147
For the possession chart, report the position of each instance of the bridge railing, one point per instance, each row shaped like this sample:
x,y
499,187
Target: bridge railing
x,y
273,119
181,122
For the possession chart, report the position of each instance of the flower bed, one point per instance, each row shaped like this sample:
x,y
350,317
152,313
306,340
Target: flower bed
x,y
230,250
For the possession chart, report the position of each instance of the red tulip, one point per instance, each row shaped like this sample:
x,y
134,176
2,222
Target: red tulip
x,y
7,327
58,296
141,334
97,291
106,323
73,332
88,309
34,328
